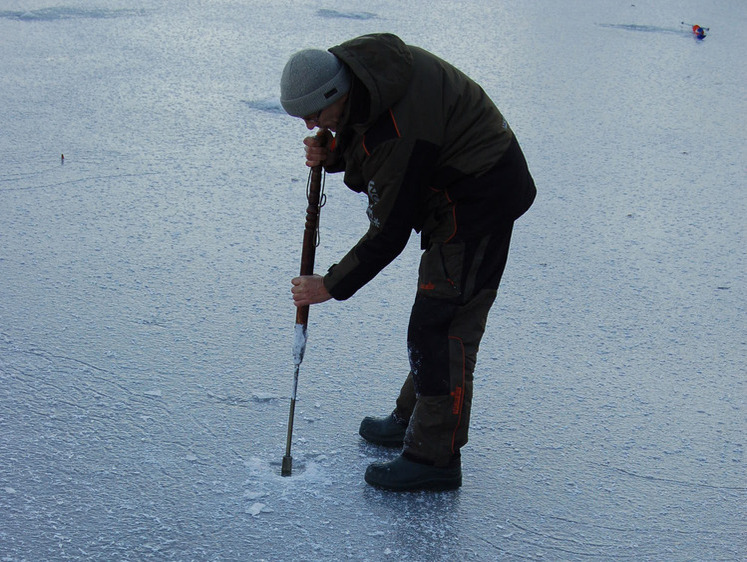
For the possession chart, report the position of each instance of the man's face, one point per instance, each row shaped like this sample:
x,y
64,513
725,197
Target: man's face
x,y
329,117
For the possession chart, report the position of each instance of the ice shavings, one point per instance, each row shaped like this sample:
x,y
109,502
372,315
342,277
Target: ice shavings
x,y
265,482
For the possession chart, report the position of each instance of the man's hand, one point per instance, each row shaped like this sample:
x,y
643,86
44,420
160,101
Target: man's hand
x,y
316,153
309,289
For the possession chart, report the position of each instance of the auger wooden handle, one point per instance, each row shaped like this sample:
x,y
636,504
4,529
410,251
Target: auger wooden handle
x,y
308,252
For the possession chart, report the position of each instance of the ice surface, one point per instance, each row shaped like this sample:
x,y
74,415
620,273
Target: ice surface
x,y
146,323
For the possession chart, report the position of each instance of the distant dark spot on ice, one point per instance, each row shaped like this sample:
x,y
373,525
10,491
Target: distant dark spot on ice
x,y
243,401
723,288
346,15
66,13
152,322
268,106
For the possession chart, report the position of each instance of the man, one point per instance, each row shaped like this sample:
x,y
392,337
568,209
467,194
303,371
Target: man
x,y
433,154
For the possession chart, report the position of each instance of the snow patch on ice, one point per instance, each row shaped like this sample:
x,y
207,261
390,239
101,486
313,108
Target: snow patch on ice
x,y
256,508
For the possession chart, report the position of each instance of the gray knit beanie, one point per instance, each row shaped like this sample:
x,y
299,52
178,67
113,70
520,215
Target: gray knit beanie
x,y
312,80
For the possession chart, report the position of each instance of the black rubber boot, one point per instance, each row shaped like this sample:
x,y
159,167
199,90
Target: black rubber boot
x,y
388,431
405,475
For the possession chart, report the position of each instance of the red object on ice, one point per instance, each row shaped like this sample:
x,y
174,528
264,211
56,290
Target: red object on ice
x,y
699,31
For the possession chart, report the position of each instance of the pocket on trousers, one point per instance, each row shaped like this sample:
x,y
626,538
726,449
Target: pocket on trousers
x,y
440,274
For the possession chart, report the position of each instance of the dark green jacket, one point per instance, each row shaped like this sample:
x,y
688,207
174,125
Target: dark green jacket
x,y
425,143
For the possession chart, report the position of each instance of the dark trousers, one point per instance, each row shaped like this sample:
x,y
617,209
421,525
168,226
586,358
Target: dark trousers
x,y
457,284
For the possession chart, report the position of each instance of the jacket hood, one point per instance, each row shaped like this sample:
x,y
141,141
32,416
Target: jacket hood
x,y
383,64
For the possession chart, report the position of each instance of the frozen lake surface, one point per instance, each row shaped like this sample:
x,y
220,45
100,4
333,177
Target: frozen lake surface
x,y
146,324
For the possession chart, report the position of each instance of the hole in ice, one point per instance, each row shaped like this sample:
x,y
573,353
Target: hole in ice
x,y
299,465
264,473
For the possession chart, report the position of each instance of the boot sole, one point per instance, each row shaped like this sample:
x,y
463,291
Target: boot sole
x,y
434,485
392,443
